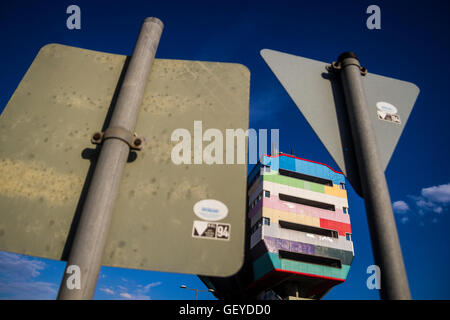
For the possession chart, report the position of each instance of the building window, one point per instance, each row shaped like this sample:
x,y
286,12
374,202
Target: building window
x,y
320,260
307,202
342,185
308,229
345,210
348,236
257,199
266,221
256,226
305,177
266,193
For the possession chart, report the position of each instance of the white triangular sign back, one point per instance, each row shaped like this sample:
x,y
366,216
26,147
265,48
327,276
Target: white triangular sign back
x,y
318,95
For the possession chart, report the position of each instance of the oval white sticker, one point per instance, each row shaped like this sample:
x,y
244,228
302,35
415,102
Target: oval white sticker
x,y
210,210
386,107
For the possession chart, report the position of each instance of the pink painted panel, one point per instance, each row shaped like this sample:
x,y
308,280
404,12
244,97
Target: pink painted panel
x,y
275,203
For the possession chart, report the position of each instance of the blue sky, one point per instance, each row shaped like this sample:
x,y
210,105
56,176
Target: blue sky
x,y
412,45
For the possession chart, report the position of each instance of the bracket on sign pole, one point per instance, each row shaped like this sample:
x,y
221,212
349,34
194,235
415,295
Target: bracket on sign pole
x,y
336,66
132,139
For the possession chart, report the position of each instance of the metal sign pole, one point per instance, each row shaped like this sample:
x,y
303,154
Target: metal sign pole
x,y
383,231
89,242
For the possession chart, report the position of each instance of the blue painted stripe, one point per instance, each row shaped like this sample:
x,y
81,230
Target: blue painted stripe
x,y
305,167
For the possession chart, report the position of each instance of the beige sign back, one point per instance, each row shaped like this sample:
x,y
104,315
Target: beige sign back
x,y
46,158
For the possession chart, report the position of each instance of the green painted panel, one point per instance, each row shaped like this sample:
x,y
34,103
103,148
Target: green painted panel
x,y
262,266
293,182
317,187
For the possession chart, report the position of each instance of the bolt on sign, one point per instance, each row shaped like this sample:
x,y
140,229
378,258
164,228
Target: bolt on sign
x,y
47,159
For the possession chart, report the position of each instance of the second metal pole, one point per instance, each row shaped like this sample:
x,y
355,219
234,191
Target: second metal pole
x,y
383,231
91,234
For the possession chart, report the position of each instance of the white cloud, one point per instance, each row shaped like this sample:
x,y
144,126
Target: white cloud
x,y
13,265
140,296
130,290
400,206
438,209
107,291
30,290
427,206
431,201
437,194
19,278
126,295
151,285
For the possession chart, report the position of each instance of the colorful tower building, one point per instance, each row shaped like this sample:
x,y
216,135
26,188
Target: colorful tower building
x,y
300,236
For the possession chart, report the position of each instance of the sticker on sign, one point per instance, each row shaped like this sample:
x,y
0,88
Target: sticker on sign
x,y
387,112
210,209
211,230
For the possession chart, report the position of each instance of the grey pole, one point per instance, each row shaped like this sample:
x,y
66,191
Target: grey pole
x,y
91,234
383,231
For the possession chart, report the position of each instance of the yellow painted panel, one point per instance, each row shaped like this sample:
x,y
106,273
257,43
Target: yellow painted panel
x,y
335,190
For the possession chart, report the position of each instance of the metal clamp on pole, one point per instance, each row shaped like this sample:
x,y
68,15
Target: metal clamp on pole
x,y
336,66
90,237
132,139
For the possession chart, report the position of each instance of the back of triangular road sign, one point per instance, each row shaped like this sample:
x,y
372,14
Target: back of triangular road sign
x,y
318,95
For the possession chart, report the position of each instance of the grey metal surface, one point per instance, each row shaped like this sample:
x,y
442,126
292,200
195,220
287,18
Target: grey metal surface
x,y
318,95
46,156
383,231
89,241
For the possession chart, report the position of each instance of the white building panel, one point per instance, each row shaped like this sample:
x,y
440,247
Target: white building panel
x,y
276,189
275,231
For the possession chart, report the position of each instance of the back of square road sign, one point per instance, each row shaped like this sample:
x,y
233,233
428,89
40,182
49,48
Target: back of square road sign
x,y
45,154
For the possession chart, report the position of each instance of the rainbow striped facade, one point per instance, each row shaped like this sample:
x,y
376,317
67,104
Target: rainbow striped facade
x,y
299,225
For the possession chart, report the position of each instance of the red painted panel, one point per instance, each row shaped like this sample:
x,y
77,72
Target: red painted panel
x,y
309,275
340,227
